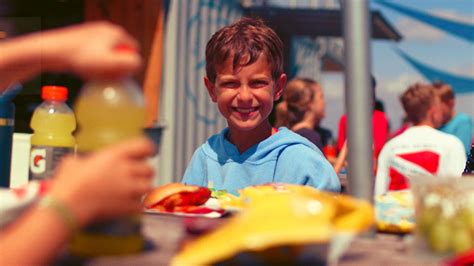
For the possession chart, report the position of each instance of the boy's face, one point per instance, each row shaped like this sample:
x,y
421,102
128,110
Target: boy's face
x,y
245,97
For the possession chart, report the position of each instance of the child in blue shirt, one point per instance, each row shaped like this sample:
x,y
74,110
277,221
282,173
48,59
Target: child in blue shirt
x,y
244,76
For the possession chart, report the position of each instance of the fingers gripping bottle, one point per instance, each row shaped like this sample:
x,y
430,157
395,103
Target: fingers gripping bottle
x,y
109,112
53,123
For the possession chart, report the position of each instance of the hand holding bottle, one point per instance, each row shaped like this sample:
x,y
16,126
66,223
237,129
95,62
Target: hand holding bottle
x,y
87,49
105,184
100,185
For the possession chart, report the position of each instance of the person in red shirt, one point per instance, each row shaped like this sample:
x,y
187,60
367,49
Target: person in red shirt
x,y
380,129
404,126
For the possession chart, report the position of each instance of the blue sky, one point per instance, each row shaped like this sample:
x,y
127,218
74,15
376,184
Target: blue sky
x,y
424,43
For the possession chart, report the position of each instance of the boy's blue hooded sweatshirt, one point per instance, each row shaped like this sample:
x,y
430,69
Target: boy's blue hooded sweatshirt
x,y
284,157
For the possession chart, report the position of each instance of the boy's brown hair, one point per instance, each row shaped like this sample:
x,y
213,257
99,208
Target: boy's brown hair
x,y
417,100
245,40
444,91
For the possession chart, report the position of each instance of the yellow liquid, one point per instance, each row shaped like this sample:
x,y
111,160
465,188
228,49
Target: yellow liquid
x,y
86,244
94,243
106,116
53,129
124,120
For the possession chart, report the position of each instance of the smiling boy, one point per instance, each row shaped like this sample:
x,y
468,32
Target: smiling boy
x,y
244,76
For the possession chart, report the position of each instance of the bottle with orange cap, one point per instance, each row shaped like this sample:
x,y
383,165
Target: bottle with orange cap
x,y
109,111
53,123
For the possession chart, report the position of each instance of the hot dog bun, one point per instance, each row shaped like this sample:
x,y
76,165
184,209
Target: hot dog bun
x,y
173,195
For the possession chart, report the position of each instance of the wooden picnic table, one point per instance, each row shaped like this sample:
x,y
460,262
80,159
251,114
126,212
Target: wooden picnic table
x,y
166,233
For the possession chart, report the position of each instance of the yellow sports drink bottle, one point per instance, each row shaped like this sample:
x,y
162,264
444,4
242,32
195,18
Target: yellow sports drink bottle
x,y
53,123
109,112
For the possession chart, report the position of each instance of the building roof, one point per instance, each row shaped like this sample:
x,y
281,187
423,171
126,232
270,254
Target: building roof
x,y
318,22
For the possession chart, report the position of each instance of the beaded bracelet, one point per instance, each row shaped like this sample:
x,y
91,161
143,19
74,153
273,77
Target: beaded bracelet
x,y
50,202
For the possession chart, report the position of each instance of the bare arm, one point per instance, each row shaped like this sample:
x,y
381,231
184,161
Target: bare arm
x,y
105,185
88,50
45,233
83,185
341,159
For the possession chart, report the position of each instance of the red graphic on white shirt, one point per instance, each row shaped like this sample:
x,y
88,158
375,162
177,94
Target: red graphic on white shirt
x,y
397,180
427,160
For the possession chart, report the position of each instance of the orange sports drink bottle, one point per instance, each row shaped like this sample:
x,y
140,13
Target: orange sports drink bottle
x,y
109,112
53,123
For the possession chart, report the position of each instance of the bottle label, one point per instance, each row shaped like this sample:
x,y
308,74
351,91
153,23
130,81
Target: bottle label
x,y
44,160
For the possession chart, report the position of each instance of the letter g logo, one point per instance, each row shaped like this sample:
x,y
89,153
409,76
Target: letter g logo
x,y
37,161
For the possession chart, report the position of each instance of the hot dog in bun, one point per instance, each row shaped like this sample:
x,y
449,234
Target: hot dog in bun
x,y
176,197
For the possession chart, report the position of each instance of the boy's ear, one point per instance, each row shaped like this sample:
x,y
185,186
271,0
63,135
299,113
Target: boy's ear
x,y
279,86
210,89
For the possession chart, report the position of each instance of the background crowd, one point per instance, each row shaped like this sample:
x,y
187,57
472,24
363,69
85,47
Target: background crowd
x,y
433,139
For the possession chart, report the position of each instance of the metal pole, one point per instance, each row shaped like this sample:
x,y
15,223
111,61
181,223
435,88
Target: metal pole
x,y
359,102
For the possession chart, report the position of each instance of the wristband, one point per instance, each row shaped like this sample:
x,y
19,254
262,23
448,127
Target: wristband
x,y
50,202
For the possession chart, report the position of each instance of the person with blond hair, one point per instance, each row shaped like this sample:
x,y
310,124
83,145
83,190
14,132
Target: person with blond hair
x,y
421,149
302,108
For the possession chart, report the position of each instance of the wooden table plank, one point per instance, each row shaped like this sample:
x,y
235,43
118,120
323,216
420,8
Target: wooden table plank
x,y
384,249
167,233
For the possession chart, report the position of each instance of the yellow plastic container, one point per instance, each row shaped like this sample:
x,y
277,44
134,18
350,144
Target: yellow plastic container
x,y
53,123
281,224
109,112
53,129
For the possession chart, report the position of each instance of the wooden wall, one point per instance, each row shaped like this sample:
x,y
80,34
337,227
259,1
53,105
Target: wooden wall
x,y
144,20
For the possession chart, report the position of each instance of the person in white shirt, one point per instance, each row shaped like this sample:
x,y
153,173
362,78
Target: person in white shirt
x,y
421,149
